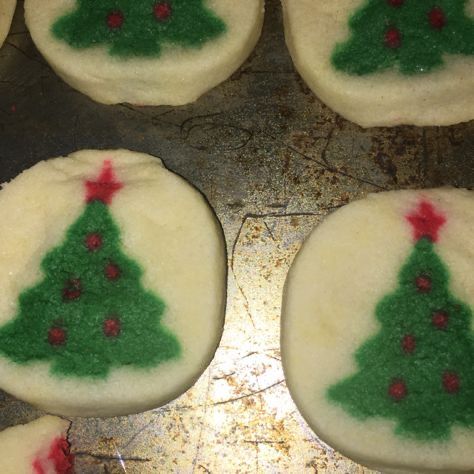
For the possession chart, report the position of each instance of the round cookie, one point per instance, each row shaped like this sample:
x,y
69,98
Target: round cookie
x,y
146,52
7,8
39,447
377,331
386,62
112,278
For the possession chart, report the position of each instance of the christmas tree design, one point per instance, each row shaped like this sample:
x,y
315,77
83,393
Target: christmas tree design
x,y
411,34
90,313
132,28
418,370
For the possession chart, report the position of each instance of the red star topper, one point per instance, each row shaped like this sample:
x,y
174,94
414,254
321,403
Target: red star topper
x,y
105,186
426,221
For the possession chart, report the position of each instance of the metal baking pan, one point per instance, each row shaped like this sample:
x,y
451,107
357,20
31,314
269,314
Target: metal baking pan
x,y
272,161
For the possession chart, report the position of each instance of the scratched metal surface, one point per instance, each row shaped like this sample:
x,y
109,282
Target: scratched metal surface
x,y
273,161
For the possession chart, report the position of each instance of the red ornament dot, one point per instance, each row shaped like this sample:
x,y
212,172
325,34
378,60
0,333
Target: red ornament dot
x,y
397,390
57,336
112,327
73,290
93,241
423,283
451,382
408,344
440,319
393,38
162,11
437,18
112,271
115,19
396,3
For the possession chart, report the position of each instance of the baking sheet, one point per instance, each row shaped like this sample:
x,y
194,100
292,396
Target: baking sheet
x,y
272,161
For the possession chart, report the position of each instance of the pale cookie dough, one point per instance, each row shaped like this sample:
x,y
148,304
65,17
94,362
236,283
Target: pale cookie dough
x,y
443,96
7,8
377,331
178,76
112,284
39,447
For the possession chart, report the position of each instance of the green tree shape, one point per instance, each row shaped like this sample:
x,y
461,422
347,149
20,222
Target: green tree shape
x,y
138,27
418,370
90,312
410,34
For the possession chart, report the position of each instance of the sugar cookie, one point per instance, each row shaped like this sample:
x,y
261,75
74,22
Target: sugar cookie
x,y
145,52
377,331
7,8
112,284
386,62
39,447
